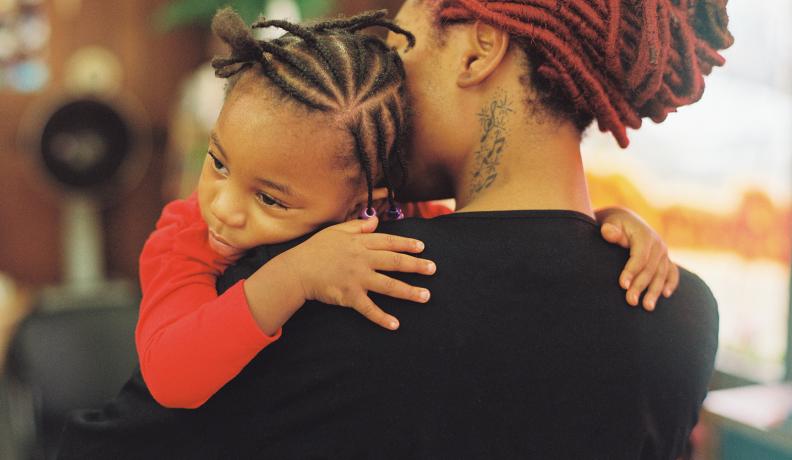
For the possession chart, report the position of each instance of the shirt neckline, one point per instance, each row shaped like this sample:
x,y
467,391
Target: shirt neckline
x,y
523,214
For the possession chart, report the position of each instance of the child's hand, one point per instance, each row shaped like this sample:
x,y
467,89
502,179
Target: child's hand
x,y
339,265
649,264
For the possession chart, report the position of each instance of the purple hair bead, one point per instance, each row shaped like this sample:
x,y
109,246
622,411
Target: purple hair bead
x,y
367,213
395,213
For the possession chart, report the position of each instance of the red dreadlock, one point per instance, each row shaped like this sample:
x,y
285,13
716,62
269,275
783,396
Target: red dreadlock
x,y
618,60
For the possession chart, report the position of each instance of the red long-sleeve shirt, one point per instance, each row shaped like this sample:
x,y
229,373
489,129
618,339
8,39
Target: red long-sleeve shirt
x,y
190,341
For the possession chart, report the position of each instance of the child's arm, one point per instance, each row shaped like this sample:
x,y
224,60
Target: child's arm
x,y
190,341
339,266
649,265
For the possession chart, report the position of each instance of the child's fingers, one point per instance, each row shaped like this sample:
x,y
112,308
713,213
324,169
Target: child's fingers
x,y
656,286
373,313
391,287
672,280
643,279
640,256
615,235
358,225
395,243
387,261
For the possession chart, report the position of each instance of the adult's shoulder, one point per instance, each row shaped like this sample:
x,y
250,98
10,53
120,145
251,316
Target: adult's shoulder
x,y
256,257
693,302
681,336
686,320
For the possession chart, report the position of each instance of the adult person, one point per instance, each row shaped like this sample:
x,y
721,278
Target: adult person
x,y
528,348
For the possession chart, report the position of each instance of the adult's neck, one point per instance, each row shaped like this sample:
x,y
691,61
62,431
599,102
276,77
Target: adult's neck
x,y
521,161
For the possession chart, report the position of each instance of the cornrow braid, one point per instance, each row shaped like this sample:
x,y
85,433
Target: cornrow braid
x,y
614,60
330,68
382,148
311,38
363,20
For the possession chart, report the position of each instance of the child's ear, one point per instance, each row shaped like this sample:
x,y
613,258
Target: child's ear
x,y
380,197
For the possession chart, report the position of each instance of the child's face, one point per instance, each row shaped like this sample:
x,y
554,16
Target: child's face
x,y
272,173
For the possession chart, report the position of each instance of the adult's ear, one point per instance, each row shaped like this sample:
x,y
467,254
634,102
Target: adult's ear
x,y
379,195
487,46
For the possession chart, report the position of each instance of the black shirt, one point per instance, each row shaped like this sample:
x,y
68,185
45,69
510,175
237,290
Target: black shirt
x,y
526,350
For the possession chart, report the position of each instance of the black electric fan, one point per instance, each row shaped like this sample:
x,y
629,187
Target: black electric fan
x,y
93,150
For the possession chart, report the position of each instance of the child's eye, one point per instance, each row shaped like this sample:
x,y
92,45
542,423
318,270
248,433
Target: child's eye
x,y
269,201
218,165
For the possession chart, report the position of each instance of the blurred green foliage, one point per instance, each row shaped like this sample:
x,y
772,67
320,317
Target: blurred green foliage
x,y
199,12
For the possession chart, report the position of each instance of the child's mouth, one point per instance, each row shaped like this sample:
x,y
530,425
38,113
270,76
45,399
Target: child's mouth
x,y
221,247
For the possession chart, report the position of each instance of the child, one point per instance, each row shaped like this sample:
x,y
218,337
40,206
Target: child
x,y
310,134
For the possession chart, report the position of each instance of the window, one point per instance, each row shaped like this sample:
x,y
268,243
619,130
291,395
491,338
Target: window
x,y
715,180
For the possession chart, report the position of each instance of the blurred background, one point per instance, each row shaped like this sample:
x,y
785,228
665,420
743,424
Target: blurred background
x,y
105,109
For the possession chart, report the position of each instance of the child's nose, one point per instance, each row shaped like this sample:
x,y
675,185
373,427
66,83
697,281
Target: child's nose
x,y
227,208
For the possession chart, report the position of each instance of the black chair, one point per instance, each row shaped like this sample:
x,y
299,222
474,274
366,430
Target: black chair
x,y
65,360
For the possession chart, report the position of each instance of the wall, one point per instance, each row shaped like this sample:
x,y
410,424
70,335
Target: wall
x,y
153,66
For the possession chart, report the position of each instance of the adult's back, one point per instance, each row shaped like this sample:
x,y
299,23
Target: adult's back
x,y
526,350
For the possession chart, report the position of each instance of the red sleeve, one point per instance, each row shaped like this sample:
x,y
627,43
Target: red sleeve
x,y
425,209
190,342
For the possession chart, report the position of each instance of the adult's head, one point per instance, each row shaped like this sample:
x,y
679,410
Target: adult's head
x,y
308,122
575,61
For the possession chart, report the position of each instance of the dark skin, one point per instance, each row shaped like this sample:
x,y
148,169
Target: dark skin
x,y
259,189
305,189
284,161
512,157
339,265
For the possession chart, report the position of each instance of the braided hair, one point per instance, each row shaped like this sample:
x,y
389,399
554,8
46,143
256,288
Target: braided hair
x,y
613,60
328,67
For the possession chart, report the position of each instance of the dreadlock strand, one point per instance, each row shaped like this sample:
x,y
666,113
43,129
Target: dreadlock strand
x,y
549,15
654,80
615,60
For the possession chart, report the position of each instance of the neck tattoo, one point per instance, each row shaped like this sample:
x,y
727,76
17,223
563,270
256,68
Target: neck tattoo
x,y
492,119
